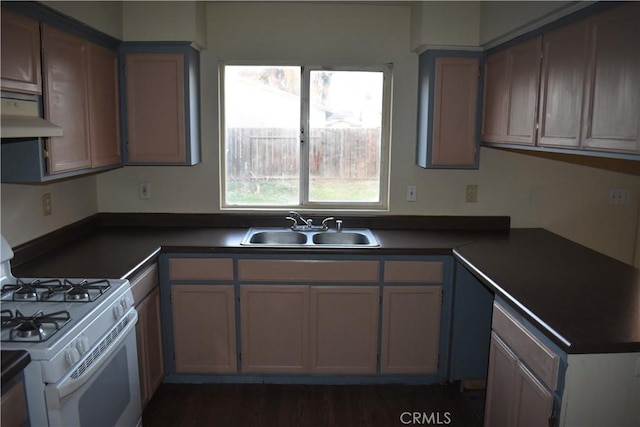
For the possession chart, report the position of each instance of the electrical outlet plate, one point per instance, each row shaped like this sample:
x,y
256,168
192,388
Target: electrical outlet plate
x,y
619,196
472,194
412,193
46,204
144,191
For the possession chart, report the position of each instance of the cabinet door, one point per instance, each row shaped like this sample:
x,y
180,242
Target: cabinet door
x,y
562,85
501,385
611,119
104,110
13,406
21,69
344,329
455,136
155,107
494,123
523,80
534,404
204,333
143,313
275,329
410,329
65,99
154,365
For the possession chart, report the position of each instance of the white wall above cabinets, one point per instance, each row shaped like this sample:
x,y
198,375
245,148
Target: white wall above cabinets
x,y
165,21
435,24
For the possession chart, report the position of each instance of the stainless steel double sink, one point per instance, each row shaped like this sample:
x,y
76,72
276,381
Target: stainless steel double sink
x,y
286,237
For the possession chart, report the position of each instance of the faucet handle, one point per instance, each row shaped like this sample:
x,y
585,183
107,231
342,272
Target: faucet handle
x,y
325,221
338,225
295,222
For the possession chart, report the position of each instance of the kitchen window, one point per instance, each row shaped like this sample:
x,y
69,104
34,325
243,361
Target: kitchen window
x,y
305,136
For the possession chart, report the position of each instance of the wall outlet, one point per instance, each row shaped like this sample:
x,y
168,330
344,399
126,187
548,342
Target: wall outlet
x,y
412,193
144,191
619,196
472,194
46,204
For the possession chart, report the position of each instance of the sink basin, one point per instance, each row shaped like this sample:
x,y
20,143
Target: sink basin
x,y
342,238
285,237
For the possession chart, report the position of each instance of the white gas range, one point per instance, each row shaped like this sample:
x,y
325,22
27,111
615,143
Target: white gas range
x,y
80,335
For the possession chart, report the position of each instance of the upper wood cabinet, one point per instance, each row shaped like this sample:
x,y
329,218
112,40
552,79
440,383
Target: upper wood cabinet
x,y
21,69
161,92
66,99
511,94
611,115
561,85
584,78
449,84
80,95
104,108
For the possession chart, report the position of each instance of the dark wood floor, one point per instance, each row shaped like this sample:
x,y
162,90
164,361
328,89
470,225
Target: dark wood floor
x,y
238,405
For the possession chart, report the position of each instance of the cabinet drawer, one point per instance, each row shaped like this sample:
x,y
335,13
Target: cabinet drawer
x,y
413,271
143,283
540,359
201,269
267,270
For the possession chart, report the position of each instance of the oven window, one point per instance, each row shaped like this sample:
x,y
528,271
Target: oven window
x,y
107,398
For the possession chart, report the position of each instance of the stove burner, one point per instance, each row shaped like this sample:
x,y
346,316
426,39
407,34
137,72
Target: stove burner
x,y
26,292
23,291
80,291
55,290
28,329
76,293
38,327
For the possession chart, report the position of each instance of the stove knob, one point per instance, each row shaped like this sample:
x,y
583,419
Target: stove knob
x,y
72,356
118,311
125,303
82,344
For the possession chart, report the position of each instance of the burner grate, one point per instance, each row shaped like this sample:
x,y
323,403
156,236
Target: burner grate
x,y
38,327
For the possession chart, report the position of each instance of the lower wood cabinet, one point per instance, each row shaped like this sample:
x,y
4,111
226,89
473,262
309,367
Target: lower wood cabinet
x,y
514,396
309,329
304,316
274,329
344,329
204,332
149,335
410,329
146,294
13,407
522,375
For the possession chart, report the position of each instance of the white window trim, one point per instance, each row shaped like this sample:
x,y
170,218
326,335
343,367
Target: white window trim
x,y
304,203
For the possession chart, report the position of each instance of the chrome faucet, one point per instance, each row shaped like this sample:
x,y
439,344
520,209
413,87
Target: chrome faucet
x,y
295,217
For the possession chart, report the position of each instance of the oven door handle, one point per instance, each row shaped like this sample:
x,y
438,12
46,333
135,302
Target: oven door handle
x,y
77,377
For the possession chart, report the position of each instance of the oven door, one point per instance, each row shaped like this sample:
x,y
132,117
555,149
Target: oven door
x,y
103,389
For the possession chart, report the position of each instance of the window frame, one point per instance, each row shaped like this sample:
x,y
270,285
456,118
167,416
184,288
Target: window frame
x,y
304,203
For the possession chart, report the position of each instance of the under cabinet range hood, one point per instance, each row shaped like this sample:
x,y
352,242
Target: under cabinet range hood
x,y
20,119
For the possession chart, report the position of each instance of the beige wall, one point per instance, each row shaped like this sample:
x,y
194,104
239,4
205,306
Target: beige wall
x,y
568,199
22,218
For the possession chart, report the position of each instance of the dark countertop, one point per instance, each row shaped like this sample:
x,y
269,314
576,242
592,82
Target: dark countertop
x,y
13,362
584,301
